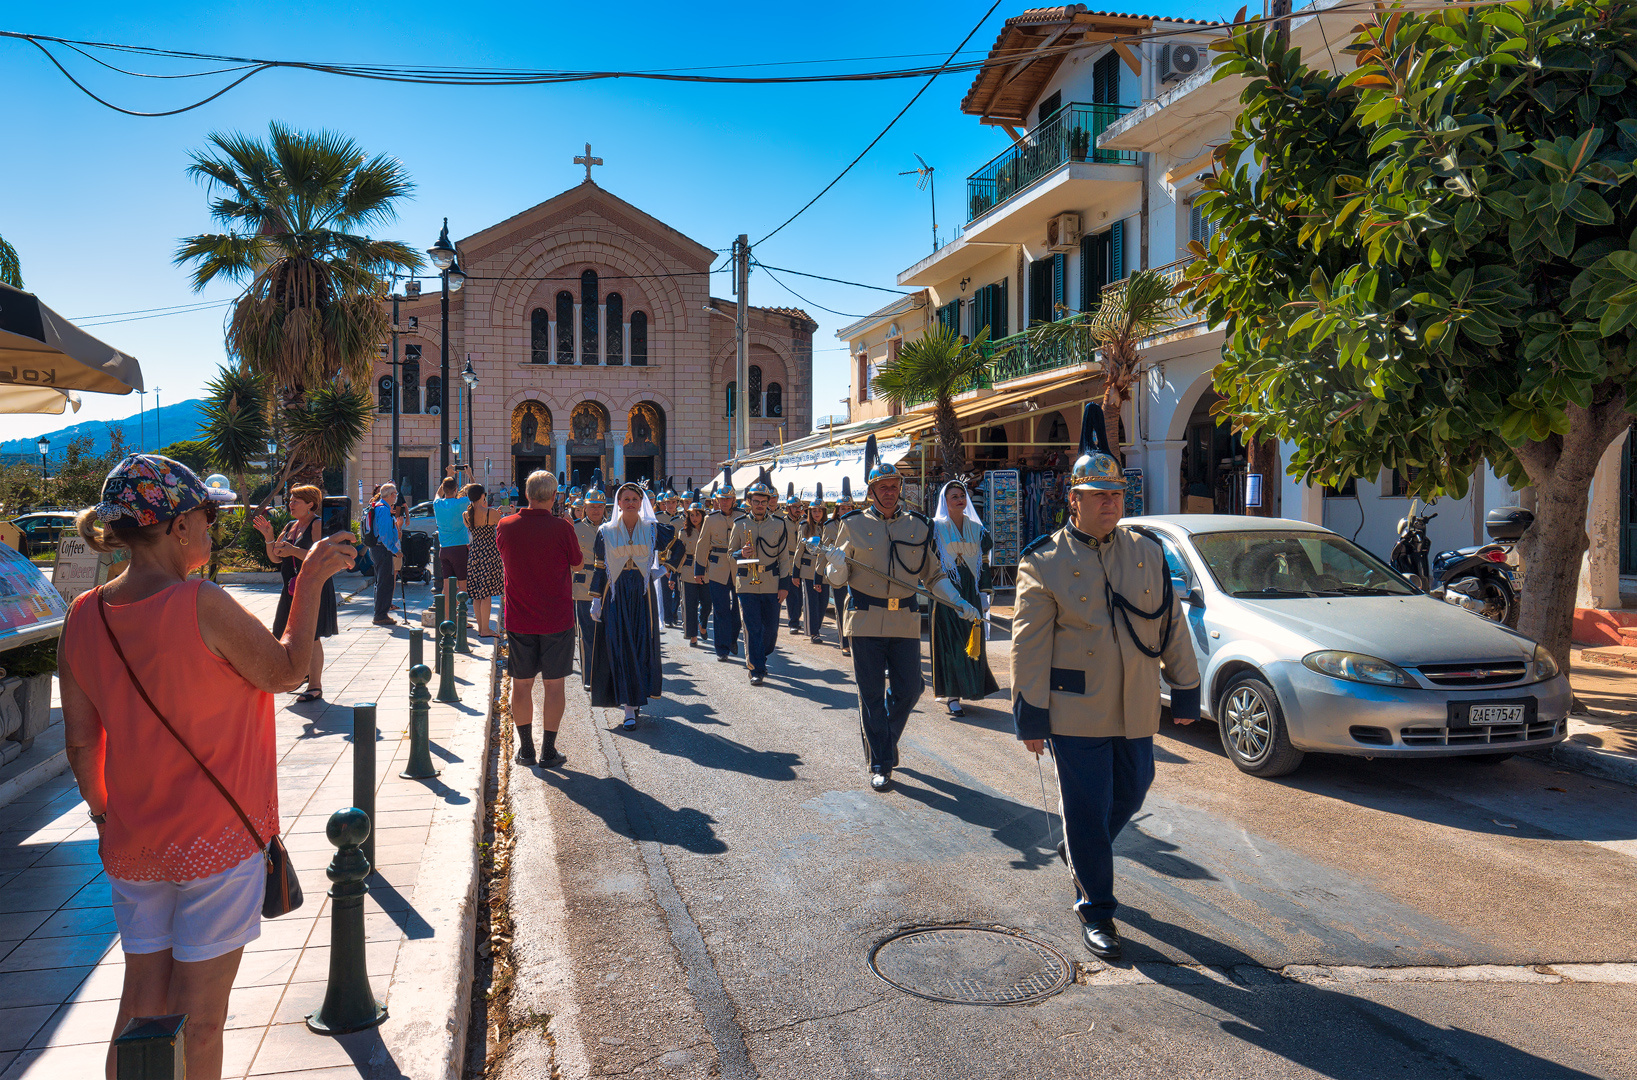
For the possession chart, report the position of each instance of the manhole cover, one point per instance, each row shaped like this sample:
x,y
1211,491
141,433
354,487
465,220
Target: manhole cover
x,y
969,965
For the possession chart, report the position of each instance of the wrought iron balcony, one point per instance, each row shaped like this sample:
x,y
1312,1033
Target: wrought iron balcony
x,y
1070,134
1181,311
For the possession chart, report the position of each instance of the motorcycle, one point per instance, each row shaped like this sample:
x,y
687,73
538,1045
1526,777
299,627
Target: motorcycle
x,y
1476,578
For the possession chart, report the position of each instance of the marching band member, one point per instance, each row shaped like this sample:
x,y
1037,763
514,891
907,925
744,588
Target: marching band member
x,y
762,587
696,598
883,555
713,562
795,512
1096,624
962,545
814,588
631,551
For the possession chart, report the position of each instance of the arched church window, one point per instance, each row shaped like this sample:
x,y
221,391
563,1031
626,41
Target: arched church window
x,y
588,317
539,336
733,388
565,327
754,393
615,320
383,394
775,399
434,393
639,339
411,377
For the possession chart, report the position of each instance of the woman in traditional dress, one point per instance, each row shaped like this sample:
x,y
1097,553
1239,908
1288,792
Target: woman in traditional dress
x,y
629,553
962,544
485,576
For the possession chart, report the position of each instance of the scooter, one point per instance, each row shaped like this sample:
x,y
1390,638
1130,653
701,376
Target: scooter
x,y
1476,578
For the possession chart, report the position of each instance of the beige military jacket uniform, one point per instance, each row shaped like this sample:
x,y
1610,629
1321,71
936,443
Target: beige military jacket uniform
x,y
809,566
711,555
772,546
874,607
1073,658
587,535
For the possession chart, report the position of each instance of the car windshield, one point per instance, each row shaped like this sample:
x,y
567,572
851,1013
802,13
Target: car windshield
x,y
1282,565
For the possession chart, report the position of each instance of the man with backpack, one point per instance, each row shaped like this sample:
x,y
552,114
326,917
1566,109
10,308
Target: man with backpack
x,y
383,539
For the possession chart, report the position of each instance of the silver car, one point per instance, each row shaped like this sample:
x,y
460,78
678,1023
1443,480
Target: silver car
x,y
1307,642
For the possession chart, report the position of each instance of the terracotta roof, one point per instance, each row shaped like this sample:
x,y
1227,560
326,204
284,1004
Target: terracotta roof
x,y
727,306
792,312
1003,91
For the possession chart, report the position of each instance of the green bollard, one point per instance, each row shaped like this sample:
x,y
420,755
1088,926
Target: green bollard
x,y
349,1004
446,653
420,765
461,644
437,620
151,1048
365,734
416,640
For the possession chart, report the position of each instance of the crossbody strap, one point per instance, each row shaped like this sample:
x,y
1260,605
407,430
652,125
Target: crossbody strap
x,y
102,609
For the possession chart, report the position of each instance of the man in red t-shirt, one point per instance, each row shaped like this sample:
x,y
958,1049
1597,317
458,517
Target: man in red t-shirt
x,y
539,551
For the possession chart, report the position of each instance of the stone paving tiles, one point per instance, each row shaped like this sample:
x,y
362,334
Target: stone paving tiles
x,y
60,964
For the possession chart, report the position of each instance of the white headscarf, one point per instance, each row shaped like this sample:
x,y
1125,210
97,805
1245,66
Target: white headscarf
x,y
969,529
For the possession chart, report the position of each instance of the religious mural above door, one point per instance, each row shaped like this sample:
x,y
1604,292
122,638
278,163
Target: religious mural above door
x,y
531,429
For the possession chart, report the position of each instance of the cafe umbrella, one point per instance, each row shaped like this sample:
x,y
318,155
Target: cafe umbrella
x,y
21,398
40,349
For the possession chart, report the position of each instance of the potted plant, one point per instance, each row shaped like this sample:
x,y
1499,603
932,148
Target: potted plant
x,y
25,693
1079,143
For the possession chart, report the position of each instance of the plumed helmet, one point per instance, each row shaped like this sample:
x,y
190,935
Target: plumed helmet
x,y
846,492
762,485
594,493
874,468
1096,469
818,492
790,496
725,485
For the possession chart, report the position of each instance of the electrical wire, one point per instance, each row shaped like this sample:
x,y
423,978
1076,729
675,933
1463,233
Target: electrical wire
x,y
803,299
163,314
883,134
145,311
838,281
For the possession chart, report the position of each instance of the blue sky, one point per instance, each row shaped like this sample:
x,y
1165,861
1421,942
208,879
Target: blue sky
x,y
95,201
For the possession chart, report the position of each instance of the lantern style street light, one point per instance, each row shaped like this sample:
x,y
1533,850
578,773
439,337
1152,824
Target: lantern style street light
x,y
468,375
44,446
447,260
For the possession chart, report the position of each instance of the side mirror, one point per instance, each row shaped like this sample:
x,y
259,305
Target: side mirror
x,y
1194,598
1417,581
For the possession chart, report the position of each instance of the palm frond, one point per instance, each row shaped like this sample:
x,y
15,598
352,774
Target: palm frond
x,y
236,411
329,422
11,270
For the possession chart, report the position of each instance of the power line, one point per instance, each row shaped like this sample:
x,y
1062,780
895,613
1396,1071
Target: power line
x,y
927,86
803,299
144,311
838,281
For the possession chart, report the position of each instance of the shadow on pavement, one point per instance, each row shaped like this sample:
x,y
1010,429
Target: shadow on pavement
x,y
1335,1034
1021,827
635,814
712,751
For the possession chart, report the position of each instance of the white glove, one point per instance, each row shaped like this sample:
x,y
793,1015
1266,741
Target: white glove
x,y
967,611
596,609
837,566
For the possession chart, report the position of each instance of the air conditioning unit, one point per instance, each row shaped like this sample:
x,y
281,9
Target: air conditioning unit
x,y
1063,232
1177,62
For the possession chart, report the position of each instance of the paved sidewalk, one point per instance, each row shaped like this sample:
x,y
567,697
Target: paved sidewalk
x,y
60,964
1603,739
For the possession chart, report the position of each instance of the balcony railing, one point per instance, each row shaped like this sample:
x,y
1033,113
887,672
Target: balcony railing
x,y
1069,135
1182,308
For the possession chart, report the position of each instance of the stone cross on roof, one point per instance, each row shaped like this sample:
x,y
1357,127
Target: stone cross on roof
x,y
588,161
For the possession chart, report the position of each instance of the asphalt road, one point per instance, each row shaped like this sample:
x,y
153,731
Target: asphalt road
x,y
699,898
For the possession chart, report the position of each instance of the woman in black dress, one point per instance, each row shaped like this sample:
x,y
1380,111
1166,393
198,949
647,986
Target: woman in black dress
x,y
290,548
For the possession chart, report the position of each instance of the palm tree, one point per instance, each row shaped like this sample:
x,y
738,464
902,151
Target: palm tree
x,y
11,271
1113,329
937,366
311,314
235,426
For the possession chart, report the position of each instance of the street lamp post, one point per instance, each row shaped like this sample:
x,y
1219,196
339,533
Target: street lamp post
x,y
445,258
272,468
469,376
44,446
158,443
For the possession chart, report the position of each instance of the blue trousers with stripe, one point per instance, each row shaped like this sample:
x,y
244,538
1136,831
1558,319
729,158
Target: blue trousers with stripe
x,y
1104,782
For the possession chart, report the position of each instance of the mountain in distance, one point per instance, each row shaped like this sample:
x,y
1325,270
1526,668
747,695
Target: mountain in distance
x,y
178,421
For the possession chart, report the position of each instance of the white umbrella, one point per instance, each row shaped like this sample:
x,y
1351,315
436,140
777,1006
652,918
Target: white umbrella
x,y
20,398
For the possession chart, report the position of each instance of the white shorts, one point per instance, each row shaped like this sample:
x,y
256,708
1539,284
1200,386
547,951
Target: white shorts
x,y
196,920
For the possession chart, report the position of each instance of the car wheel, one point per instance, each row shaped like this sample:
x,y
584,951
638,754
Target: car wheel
x,y
1253,728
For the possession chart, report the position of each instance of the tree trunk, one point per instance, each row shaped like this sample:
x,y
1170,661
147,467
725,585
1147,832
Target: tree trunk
x,y
1561,469
1113,409
950,446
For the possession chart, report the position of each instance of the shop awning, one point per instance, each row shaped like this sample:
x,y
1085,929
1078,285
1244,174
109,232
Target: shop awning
x,y
827,465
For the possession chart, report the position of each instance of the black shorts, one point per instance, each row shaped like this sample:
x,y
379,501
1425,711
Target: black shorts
x,y
547,656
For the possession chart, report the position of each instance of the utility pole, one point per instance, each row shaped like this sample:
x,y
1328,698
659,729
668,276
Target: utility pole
x,y
397,386
443,384
741,283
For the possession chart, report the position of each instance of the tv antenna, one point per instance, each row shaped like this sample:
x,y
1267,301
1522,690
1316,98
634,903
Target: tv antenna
x,y
926,184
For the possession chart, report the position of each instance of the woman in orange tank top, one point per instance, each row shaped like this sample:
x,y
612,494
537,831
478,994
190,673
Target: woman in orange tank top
x,y
187,877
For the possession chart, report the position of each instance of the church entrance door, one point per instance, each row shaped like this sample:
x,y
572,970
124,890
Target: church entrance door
x,y
583,467
641,468
522,466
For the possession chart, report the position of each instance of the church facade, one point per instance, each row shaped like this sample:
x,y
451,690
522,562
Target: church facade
x,y
585,322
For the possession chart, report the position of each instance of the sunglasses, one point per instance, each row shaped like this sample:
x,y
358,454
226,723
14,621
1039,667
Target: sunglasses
x,y
210,517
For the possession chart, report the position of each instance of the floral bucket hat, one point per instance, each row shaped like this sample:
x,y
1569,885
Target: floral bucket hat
x,y
147,489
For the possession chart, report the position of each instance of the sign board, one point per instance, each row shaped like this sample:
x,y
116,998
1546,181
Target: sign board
x,y
26,597
78,567
1134,498
1253,489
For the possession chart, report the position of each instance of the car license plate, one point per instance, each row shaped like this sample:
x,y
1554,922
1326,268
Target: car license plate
x,y
1494,715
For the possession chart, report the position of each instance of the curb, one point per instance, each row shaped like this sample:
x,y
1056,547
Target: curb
x,y
431,992
53,762
1621,768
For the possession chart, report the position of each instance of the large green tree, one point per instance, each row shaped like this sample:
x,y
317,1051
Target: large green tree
x,y
1427,261
296,208
11,270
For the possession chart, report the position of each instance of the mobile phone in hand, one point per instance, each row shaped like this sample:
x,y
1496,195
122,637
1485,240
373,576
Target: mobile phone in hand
x,y
337,514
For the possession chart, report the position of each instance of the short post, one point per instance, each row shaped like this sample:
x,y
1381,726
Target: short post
x,y
438,616
365,734
420,752
150,1048
461,644
349,1004
446,653
449,591
416,639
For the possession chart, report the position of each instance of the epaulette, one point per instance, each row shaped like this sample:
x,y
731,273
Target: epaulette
x,y
716,513
917,515
848,514
1036,542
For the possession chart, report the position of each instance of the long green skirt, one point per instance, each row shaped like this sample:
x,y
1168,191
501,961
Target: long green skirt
x,y
954,674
